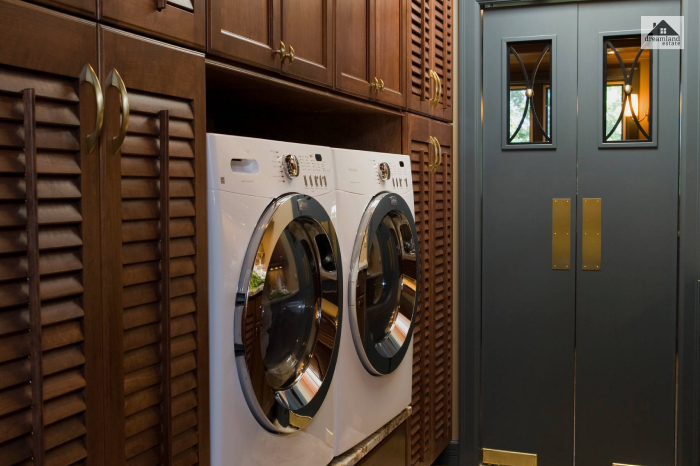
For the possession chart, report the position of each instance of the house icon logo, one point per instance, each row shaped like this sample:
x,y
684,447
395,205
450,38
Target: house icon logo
x,y
663,32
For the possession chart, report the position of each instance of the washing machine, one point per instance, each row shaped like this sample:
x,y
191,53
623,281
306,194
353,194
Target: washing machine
x,y
379,248
275,289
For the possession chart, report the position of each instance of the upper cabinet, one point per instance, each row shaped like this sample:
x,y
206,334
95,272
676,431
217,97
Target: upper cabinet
x,y
293,37
430,53
179,21
87,8
370,49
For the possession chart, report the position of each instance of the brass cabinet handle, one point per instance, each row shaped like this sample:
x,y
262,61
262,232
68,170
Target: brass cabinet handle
x,y
114,79
439,154
380,87
161,4
436,89
88,76
436,147
281,51
439,96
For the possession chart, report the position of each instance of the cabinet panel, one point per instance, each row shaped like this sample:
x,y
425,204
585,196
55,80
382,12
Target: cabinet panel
x,y
179,21
245,30
389,55
154,232
430,42
50,333
355,38
307,27
442,36
431,420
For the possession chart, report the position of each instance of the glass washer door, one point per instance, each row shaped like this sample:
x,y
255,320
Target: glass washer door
x,y
286,323
382,288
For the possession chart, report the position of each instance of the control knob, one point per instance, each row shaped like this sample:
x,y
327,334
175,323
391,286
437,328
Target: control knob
x,y
384,172
290,165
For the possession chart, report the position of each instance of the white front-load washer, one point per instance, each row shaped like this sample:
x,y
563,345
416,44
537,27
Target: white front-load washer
x,y
379,249
275,288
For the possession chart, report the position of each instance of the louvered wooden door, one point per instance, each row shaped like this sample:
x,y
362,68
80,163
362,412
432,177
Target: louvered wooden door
x,y
178,21
431,420
50,394
430,41
154,250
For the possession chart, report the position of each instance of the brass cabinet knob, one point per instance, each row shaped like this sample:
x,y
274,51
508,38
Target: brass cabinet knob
x,y
290,54
281,51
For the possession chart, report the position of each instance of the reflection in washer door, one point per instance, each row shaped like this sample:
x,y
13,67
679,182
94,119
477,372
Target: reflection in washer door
x,y
383,292
288,319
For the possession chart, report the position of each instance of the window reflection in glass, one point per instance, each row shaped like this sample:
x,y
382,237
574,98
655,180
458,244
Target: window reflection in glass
x,y
627,89
530,92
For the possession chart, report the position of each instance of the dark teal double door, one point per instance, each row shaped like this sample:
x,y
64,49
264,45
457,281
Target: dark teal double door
x,y
580,222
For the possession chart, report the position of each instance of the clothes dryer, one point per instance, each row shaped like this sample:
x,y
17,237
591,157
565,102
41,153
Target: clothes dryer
x,y
379,249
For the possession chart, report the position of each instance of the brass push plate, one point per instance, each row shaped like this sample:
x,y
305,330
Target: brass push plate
x,y
508,458
561,234
590,243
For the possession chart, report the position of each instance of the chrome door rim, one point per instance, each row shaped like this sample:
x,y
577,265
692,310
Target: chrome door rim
x,y
295,406
384,357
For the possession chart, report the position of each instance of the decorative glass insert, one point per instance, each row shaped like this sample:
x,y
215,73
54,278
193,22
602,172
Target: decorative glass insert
x,y
627,89
530,92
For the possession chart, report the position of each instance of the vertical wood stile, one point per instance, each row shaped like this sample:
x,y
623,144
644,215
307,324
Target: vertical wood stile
x,y
164,117
33,277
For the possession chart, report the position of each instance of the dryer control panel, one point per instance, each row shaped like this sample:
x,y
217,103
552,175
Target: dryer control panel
x,y
266,168
370,172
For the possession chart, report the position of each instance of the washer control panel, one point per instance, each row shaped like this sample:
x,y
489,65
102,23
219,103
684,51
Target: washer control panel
x,y
370,172
268,168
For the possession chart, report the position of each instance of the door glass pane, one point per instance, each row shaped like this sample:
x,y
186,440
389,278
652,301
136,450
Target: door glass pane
x,y
627,92
284,295
529,92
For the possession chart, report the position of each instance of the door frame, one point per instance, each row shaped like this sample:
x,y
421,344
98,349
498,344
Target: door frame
x,y
469,127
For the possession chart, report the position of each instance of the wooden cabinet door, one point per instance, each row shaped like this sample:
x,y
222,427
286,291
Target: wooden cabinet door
x,y
246,31
179,21
307,27
441,38
430,49
354,64
431,420
154,249
389,50
50,334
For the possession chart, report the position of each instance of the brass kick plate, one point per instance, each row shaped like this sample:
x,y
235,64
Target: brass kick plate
x,y
623,464
561,234
590,243
508,458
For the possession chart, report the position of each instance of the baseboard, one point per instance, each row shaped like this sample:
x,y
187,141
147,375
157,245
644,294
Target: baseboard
x,y
450,456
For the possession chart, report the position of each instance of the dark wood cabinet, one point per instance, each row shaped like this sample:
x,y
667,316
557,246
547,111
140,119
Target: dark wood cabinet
x,y
181,22
154,252
370,49
295,38
429,143
430,42
103,272
50,285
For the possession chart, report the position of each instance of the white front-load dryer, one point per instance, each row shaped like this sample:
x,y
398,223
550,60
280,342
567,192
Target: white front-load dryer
x,y
379,249
275,289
